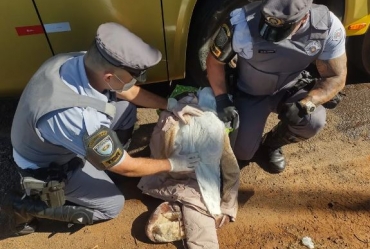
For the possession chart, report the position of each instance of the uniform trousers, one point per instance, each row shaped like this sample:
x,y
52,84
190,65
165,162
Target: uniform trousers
x,y
253,113
94,189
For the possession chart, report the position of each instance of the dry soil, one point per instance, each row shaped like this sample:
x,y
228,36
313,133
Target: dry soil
x,y
323,194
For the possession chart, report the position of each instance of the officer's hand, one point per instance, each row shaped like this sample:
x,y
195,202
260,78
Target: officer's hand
x,y
291,113
226,110
180,109
183,163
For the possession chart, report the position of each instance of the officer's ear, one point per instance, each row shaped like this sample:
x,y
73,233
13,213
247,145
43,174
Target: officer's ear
x,y
107,77
305,18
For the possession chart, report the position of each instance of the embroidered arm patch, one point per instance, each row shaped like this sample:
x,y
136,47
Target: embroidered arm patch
x,y
103,148
221,47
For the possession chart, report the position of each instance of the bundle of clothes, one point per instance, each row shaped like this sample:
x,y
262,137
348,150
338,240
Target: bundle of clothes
x,y
195,204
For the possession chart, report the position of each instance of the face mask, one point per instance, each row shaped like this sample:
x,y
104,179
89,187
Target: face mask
x,y
125,87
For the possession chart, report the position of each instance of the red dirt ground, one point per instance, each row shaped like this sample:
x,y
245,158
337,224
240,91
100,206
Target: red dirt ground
x,y
324,194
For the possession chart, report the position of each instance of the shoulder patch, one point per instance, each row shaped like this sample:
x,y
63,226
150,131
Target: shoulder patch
x,y
104,147
313,48
338,35
221,40
221,48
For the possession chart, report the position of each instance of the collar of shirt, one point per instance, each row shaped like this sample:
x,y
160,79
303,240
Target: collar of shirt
x,y
73,74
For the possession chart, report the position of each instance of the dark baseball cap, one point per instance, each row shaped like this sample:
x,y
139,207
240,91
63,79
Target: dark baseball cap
x,y
125,50
279,17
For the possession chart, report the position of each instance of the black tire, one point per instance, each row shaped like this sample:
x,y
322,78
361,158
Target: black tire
x,y
208,15
358,51
366,54
335,6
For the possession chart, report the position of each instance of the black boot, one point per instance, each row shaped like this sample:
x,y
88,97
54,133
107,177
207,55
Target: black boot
x,y
22,222
26,209
271,145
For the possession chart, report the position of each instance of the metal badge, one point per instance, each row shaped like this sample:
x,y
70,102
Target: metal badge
x,y
273,21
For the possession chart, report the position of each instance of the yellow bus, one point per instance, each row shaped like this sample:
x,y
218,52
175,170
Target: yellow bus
x,y
34,30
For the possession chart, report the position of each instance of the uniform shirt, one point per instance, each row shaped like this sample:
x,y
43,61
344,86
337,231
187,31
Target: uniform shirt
x,y
243,42
68,126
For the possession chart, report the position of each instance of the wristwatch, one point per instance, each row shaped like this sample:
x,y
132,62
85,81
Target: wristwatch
x,y
308,106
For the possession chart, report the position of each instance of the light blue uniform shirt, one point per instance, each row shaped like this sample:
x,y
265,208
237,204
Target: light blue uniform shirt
x,y
68,126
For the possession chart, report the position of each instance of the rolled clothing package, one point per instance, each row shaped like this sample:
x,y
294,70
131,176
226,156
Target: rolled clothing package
x,y
199,192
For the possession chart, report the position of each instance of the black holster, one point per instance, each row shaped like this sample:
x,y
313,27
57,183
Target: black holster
x,y
47,184
307,82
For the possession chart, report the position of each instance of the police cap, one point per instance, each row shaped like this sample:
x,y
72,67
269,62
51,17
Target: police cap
x,y
280,16
123,49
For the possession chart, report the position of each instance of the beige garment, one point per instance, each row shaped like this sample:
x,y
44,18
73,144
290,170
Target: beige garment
x,y
184,188
200,230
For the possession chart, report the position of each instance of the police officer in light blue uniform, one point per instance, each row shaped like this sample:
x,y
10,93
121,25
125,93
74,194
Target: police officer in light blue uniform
x,y
275,40
74,121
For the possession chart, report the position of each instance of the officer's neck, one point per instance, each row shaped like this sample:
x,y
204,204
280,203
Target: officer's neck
x,y
94,78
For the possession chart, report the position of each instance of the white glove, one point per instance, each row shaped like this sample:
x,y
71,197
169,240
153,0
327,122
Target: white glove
x,y
179,109
183,163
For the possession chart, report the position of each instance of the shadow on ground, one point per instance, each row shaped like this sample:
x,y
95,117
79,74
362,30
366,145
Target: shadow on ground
x,y
10,179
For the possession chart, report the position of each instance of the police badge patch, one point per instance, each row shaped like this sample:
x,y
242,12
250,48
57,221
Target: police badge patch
x,y
313,48
104,147
337,35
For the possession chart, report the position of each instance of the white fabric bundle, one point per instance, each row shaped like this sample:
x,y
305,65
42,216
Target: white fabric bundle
x,y
205,135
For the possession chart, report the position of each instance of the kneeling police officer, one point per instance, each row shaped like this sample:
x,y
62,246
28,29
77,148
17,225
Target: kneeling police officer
x,y
274,41
74,120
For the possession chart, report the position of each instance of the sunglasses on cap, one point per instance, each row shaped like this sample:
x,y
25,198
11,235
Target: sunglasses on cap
x,y
274,29
138,74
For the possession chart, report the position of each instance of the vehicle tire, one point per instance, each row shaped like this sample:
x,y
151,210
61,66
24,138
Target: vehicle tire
x,y
335,6
358,50
207,17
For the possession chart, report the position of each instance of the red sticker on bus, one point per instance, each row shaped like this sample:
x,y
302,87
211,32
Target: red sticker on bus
x,y
30,30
